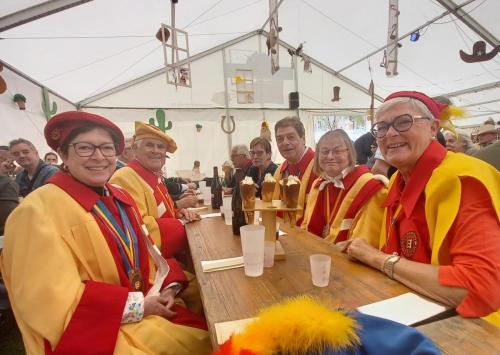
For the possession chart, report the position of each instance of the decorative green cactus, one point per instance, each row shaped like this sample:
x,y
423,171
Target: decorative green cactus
x,y
46,104
160,117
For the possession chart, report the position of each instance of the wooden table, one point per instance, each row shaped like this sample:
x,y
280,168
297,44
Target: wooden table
x,y
230,295
457,335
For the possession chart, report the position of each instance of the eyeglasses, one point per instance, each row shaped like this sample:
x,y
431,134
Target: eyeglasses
x,y
335,152
85,150
401,124
257,153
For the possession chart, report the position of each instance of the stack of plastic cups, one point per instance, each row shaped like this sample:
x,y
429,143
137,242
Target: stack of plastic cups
x,y
226,210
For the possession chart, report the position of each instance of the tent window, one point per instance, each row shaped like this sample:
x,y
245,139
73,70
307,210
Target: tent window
x,y
244,86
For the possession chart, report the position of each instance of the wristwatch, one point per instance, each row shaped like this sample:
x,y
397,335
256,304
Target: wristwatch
x,y
389,262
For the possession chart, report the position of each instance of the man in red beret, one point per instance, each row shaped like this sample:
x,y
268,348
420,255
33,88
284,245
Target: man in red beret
x,y
441,231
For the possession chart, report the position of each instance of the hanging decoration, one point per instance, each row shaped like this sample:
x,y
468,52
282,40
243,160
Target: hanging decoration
x,y
273,38
3,84
336,94
178,72
299,52
20,100
265,132
479,53
198,127
232,124
160,118
46,104
371,110
390,61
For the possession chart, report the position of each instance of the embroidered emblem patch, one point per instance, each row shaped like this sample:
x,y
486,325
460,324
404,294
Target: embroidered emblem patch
x,y
409,243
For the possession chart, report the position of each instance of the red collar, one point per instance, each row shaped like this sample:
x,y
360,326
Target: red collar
x,y
301,166
83,194
350,178
408,194
247,166
148,176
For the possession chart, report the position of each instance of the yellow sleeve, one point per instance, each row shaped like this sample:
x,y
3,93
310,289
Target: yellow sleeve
x,y
40,288
129,180
369,219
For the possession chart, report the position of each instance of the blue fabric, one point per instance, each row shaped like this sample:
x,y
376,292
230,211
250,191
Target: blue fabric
x,y
385,337
42,174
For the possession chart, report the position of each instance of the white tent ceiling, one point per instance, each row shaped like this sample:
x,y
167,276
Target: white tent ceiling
x,y
100,44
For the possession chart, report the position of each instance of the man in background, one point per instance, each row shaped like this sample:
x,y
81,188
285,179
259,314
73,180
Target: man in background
x,y
51,158
35,171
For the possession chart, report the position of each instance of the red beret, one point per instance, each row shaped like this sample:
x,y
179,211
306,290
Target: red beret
x,y
61,125
435,107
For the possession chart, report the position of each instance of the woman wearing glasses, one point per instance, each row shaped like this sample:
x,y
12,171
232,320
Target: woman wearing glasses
x,y
81,271
260,153
345,199
440,233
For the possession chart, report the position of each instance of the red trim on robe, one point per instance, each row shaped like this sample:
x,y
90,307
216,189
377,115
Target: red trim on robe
x,y
172,232
94,325
317,221
366,192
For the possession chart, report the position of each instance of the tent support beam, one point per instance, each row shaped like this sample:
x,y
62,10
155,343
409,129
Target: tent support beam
x,y
447,12
479,88
470,22
36,12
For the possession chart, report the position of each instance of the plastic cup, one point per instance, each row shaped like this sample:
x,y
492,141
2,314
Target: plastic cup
x,y
320,269
202,184
228,216
252,244
269,249
226,201
207,196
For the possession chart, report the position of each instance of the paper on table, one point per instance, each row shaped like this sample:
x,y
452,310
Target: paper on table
x,y
209,215
221,264
406,309
224,330
280,233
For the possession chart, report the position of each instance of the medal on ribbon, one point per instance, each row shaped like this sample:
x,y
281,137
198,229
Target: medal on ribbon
x,y
126,241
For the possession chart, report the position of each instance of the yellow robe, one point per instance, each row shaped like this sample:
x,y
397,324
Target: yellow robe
x,y
442,200
52,245
143,196
366,223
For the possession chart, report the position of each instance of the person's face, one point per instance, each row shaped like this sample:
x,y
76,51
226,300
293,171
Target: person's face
x,y
151,153
96,169
259,156
486,139
239,160
403,149
24,155
454,144
128,154
290,144
333,155
51,159
373,148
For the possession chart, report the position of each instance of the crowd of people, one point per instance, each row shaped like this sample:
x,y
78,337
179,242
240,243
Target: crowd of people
x,y
108,228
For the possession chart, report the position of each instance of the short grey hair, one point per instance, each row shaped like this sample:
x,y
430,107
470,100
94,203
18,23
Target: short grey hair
x,y
416,104
240,149
465,138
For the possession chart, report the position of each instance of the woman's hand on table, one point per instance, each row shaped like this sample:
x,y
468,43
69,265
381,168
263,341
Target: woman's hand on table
x,y
359,249
188,216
